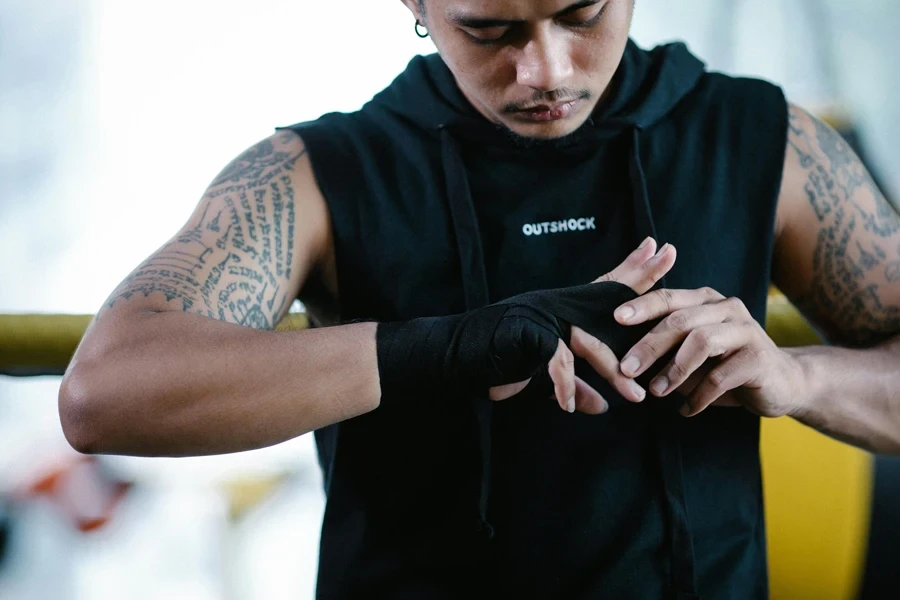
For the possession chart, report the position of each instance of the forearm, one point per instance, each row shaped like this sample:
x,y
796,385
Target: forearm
x,y
853,395
177,384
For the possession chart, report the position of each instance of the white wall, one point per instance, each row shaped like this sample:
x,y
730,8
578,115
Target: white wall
x,y
819,50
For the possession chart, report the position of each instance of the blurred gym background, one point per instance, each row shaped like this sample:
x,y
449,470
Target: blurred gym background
x,y
115,115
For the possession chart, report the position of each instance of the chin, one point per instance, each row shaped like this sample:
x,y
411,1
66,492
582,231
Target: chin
x,y
549,130
546,131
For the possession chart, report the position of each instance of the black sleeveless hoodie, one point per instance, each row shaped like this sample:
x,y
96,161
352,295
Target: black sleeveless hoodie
x,y
436,211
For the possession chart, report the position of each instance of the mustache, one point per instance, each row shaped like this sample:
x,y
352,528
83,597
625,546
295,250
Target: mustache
x,y
553,97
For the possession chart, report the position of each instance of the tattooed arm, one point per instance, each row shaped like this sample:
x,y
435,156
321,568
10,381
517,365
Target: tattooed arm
x,y
181,360
837,256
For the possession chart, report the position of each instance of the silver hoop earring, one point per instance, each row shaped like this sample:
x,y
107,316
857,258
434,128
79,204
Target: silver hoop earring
x,y
419,33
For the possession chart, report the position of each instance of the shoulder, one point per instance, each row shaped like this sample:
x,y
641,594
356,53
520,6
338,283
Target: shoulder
x,y
347,140
275,177
747,116
815,156
742,101
733,88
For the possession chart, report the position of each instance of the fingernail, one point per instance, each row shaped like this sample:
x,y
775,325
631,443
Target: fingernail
x,y
570,405
644,244
685,409
660,385
605,407
662,250
625,313
630,365
638,391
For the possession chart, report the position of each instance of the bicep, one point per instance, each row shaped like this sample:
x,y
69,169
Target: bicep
x,y
837,250
246,250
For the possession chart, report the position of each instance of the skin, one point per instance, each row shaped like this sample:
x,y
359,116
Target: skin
x,y
181,360
536,52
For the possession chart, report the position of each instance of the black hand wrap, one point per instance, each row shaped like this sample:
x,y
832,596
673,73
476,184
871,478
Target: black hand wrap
x,y
499,344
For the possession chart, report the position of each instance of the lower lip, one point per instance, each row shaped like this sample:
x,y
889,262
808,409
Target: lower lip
x,y
553,114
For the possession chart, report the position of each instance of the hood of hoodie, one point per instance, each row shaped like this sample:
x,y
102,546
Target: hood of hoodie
x,y
646,87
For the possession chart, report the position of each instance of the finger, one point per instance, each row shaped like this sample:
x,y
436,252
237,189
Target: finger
x,y
588,400
734,372
502,392
643,269
648,274
668,334
699,346
661,303
603,360
633,262
688,387
728,399
561,369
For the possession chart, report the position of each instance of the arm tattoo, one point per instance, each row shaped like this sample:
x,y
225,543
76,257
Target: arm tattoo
x,y
234,259
857,254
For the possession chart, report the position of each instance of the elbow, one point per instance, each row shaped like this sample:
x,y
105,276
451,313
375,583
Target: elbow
x,y
79,411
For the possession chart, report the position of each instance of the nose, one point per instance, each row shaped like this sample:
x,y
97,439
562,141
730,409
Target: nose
x,y
544,63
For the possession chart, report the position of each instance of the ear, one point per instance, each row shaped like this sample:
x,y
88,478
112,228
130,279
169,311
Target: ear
x,y
413,6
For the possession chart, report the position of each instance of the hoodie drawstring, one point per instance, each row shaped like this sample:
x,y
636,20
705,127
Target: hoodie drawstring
x,y
475,288
664,415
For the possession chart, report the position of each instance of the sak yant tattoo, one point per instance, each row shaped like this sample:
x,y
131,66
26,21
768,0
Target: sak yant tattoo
x,y
232,261
858,247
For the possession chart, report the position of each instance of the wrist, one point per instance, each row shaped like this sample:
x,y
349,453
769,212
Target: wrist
x,y
809,379
411,355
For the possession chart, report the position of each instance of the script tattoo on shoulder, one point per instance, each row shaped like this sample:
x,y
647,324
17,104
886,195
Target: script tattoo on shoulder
x,y
232,261
858,249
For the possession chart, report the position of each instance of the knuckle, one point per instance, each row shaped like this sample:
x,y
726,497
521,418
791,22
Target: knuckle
x,y
554,368
678,321
677,371
594,346
717,378
734,304
711,294
592,343
575,339
667,298
647,347
701,340
757,356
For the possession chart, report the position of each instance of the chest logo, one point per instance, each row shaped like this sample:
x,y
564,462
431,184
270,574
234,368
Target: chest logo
x,y
564,226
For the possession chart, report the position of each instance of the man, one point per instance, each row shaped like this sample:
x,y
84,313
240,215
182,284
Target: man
x,y
536,151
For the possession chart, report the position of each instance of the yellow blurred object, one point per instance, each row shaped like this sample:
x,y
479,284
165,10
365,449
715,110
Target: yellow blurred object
x,y
293,322
43,344
818,494
246,493
39,344
786,326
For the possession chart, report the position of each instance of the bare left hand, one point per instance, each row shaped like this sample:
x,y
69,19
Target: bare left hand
x,y
722,348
